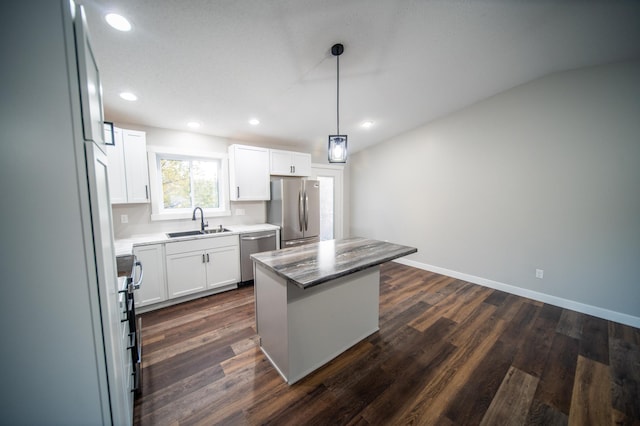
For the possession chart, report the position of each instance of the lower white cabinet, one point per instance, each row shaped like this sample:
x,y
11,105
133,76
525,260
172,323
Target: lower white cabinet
x,y
153,288
202,264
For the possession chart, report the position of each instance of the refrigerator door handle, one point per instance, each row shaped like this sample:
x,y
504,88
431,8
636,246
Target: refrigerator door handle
x,y
300,210
306,211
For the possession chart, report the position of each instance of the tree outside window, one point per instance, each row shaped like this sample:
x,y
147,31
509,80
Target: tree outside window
x,y
188,182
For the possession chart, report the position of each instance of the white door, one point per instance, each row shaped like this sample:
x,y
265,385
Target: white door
x,y
331,200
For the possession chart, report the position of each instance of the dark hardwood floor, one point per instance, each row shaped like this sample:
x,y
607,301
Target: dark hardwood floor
x,y
448,352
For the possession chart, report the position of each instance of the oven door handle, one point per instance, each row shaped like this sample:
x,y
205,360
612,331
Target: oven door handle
x,y
138,283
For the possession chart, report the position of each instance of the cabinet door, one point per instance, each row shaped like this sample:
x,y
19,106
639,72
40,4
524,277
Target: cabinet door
x,y
154,286
249,173
186,273
301,164
90,85
117,181
280,162
223,267
135,163
289,163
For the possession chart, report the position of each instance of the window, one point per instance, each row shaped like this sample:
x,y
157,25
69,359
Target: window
x,y
180,182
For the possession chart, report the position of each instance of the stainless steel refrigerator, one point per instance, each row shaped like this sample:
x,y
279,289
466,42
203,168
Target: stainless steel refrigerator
x,y
295,208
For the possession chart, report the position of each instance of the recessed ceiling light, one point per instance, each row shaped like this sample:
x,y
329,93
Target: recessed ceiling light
x,y
128,96
367,124
193,124
254,121
118,22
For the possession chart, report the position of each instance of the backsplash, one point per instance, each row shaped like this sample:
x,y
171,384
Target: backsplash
x,y
139,221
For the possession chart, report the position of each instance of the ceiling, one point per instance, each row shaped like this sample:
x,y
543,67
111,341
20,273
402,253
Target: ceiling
x,y
405,62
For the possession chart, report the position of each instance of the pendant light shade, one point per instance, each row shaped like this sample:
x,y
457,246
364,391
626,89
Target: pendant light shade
x,y
337,148
337,142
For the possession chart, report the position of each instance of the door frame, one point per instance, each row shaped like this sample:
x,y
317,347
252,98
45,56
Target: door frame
x,y
337,172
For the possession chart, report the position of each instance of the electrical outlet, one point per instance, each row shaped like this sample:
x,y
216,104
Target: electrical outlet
x,y
539,273
239,212
124,218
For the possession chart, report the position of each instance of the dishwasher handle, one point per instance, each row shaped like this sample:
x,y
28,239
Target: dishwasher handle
x,y
258,237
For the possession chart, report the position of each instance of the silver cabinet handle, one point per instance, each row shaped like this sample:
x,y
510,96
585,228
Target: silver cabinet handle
x,y
203,258
294,169
138,283
207,257
258,237
146,192
237,192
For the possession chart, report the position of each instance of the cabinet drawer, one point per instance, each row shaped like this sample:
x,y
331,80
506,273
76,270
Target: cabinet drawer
x,y
201,244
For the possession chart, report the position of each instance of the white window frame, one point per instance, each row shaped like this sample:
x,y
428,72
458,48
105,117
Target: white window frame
x,y
155,183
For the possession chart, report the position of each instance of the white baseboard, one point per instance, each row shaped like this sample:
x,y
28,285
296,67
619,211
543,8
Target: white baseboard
x,y
519,291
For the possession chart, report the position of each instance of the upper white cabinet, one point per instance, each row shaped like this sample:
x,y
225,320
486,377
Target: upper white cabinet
x,y
128,172
248,173
289,163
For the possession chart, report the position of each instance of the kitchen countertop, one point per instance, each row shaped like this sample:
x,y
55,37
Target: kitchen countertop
x,y
124,246
313,264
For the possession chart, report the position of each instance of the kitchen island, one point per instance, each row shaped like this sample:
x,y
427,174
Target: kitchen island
x,y
315,301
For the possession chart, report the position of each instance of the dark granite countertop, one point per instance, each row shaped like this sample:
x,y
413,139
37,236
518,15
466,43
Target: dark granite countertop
x,y
313,264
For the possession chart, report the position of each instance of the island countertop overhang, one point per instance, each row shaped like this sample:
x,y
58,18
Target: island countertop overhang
x,y
312,264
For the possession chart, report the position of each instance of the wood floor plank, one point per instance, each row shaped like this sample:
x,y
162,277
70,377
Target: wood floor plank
x,y
412,368
625,377
532,355
473,399
513,399
591,400
556,382
624,332
484,313
594,343
474,352
570,324
445,307
496,298
541,414
452,376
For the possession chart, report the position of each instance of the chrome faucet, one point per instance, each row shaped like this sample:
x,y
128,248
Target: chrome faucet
x,y
203,224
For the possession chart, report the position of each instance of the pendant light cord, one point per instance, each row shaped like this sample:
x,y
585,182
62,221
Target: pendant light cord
x,y
338,95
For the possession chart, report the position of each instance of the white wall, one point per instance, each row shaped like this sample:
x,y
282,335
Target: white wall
x,y
545,175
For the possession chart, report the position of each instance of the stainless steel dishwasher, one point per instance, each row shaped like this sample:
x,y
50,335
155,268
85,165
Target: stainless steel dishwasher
x,y
254,242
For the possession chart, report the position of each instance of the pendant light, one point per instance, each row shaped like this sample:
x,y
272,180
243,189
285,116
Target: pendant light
x,y
337,142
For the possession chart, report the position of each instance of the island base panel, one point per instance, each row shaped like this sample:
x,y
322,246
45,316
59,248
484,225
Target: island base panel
x,y
318,323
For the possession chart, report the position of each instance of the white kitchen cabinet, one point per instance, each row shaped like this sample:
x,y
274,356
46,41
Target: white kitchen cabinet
x,y
289,163
248,173
186,273
223,266
202,264
117,180
154,286
128,171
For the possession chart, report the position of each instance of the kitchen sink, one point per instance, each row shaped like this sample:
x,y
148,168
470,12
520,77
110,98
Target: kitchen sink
x,y
215,231
196,233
